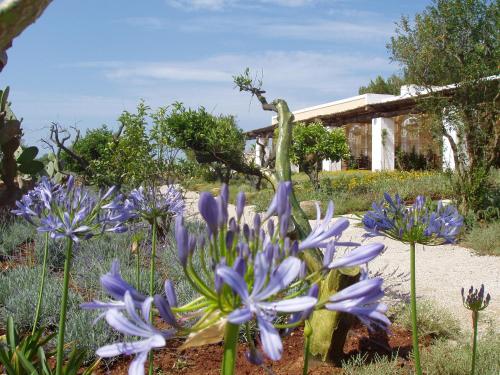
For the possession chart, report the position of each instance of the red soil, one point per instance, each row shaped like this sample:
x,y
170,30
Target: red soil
x,y
206,360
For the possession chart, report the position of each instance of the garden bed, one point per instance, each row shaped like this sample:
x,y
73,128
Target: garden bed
x,y
206,360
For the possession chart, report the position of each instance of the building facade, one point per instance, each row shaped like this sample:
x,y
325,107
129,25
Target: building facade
x,y
382,131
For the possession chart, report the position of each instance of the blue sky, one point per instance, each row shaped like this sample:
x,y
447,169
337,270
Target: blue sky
x,y
84,62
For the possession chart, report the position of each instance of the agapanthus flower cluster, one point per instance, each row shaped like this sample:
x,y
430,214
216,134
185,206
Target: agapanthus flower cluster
x,y
475,299
246,272
69,211
417,223
148,204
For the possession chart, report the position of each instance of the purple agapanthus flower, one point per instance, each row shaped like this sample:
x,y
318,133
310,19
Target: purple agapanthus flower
x,y
116,287
254,305
134,324
417,223
34,204
358,256
149,204
68,211
362,300
323,232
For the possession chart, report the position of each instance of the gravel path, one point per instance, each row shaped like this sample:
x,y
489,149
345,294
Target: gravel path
x,y
441,270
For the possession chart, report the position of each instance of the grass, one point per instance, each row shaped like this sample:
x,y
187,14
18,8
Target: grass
x,y
484,238
351,191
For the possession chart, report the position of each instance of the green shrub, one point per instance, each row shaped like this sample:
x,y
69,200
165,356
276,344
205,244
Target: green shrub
x,y
19,292
13,234
484,238
359,365
454,358
432,320
86,334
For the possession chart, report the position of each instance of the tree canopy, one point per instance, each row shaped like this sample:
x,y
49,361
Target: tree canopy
x,y
456,42
379,85
312,143
212,139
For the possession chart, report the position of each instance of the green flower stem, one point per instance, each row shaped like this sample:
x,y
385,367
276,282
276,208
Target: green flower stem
x,y
413,309
230,343
152,282
64,306
475,318
307,346
138,267
42,283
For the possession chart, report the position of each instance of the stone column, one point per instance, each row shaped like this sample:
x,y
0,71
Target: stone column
x,y
383,130
330,166
260,150
448,160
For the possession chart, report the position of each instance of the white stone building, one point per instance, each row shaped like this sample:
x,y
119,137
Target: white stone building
x,y
377,126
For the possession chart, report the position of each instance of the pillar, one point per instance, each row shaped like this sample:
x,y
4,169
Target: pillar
x,y
383,130
331,166
448,160
260,150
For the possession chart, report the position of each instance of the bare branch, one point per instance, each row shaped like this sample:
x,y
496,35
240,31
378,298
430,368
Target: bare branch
x,y
55,132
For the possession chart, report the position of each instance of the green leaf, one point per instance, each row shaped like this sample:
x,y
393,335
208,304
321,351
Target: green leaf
x,y
43,362
5,361
31,168
12,338
27,365
27,155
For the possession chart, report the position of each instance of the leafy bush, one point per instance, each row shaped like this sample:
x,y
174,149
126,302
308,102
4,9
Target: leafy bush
x,y
215,141
453,358
432,320
380,365
313,143
14,233
92,146
18,295
413,161
87,335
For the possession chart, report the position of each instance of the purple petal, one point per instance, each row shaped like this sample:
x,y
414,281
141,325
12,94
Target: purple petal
x,y
290,305
182,239
234,280
240,316
358,256
283,276
271,341
358,290
208,208
170,293
165,311
137,365
240,204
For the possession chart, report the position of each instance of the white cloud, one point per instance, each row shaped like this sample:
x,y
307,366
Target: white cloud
x,y
288,3
303,78
358,28
221,4
332,74
329,30
199,4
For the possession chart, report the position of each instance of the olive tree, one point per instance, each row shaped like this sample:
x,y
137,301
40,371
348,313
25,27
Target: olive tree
x,y
213,140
